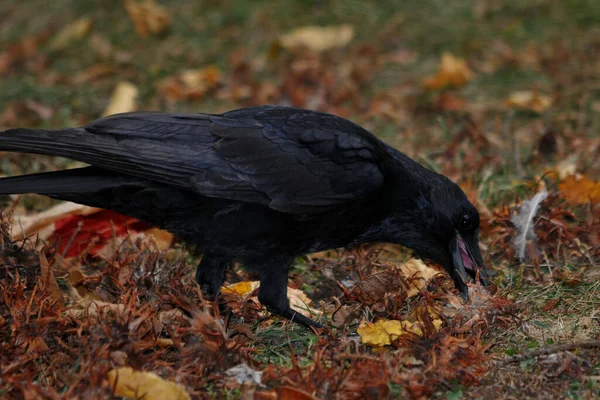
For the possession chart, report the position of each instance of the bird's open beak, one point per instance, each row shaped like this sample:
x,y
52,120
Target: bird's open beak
x,y
467,261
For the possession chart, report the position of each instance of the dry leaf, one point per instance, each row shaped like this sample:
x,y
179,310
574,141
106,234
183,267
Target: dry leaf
x,y
318,38
452,72
523,222
293,393
417,274
190,84
298,300
49,281
74,31
241,288
384,332
123,99
529,100
144,385
580,190
148,17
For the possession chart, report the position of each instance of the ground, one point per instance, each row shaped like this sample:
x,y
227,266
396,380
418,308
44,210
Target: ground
x,y
502,96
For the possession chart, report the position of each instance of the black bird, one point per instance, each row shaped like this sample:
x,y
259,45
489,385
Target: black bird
x,y
259,185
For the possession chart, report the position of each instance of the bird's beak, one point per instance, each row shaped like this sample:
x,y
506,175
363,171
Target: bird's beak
x,y
467,261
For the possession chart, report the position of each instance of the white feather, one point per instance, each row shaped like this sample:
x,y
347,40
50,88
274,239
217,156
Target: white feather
x,y
523,221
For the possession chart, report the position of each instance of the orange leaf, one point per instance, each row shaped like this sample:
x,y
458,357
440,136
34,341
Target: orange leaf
x,y
452,72
580,190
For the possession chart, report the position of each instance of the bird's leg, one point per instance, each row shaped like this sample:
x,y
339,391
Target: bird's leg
x,y
272,293
210,274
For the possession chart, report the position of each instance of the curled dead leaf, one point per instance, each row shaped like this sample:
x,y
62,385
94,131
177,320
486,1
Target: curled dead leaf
x,y
48,281
131,384
452,72
318,38
148,17
417,273
190,84
529,100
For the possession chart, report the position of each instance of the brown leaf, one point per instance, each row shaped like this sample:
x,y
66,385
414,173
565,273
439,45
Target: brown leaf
x,y
292,393
190,84
452,72
148,17
376,286
48,281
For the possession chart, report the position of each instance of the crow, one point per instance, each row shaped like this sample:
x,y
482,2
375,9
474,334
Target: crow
x,y
260,186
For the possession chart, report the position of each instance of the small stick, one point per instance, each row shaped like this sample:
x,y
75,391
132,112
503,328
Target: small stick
x,y
551,350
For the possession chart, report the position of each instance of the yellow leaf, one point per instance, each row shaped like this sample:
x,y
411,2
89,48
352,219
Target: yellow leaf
x,y
318,38
71,32
144,385
452,72
241,288
122,100
148,17
580,190
384,331
529,100
298,300
417,274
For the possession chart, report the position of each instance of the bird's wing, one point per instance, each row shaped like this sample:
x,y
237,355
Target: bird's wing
x,y
295,161
303,161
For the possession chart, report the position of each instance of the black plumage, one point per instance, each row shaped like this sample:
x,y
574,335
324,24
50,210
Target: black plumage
x,y
258,185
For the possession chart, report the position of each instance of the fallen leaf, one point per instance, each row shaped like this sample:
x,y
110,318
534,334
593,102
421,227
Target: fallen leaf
x,y
298,300
131,384
190,84
49,281
318,38
374,288
529,100
384,331
292,393
580,190
241,288
76,30
148,17
452,72
417,273
123,99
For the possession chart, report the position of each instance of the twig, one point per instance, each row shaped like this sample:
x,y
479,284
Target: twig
x,y
551,350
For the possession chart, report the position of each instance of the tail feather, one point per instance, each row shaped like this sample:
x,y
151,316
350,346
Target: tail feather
x,y
80,180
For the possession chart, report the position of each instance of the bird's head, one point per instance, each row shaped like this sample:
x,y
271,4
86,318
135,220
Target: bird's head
x,y
443,226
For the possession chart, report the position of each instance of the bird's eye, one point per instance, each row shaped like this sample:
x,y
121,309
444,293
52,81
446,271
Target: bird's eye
x,y
466,223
